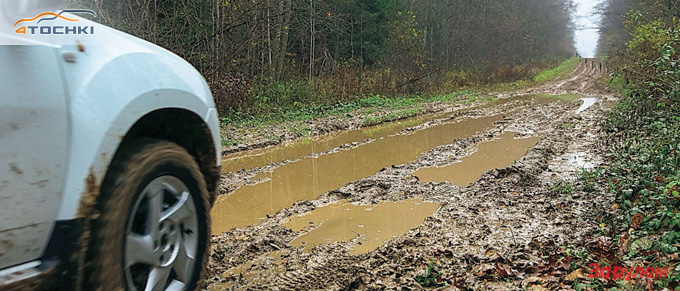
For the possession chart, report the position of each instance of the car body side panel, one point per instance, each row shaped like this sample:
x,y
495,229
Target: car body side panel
x,y
33,147
23,244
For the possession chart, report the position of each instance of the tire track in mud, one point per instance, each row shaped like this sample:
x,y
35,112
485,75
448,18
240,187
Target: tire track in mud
x,y
585,80
508,217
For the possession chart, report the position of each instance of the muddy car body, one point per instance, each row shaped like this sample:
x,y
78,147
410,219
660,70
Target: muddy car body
x,y
71,111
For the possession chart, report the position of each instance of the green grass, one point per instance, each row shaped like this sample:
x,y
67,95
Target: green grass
x,y
431,278
368,104
401,114
227,142
303,130
563,188
301,111
560,71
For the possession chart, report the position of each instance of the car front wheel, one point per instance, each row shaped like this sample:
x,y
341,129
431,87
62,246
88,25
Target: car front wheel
x,y
153,228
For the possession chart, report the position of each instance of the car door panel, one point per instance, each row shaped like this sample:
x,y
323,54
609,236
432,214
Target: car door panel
x,y
33,141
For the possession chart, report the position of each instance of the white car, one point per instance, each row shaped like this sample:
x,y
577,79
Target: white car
x,y
109,154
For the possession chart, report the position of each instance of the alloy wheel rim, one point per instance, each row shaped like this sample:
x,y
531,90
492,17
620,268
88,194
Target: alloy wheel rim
x,y
161,240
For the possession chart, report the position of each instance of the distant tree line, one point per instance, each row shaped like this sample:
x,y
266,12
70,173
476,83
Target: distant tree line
x,y
613,36
289,51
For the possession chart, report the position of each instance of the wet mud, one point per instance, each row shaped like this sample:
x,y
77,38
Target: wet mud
x,y
301,221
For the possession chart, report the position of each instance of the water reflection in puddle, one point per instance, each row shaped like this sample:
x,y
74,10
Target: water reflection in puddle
x,y
311,177
494,154
587,103
308,146
371,225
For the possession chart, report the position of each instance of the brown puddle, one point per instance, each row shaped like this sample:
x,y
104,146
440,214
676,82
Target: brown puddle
x,y
371,225
309,178
308,146
490,155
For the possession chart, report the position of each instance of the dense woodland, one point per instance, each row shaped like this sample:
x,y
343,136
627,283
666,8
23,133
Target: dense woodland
x,y
269,53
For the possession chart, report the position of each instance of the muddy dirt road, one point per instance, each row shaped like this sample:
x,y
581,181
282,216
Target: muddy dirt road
x,y
468,190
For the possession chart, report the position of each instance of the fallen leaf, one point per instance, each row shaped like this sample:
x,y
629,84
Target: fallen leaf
x,y
577,274
549,278
636,220
483,269
530,280
503,270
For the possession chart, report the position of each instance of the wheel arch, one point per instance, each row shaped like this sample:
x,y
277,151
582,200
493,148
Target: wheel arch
x,y
186,129
181,125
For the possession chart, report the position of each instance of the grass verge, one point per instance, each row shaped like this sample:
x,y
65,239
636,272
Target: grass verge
x,y
560,71
642,228
301,112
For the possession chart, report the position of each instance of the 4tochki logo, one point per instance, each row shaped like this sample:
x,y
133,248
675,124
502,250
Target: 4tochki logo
x,y
42,24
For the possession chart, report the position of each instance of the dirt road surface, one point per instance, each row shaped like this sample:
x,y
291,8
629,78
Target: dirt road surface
x,y
467,196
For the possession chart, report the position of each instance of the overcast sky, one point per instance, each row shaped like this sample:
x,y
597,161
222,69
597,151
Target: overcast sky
x,y
587,22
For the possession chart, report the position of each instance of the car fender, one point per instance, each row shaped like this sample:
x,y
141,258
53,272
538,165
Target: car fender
x,y
112,85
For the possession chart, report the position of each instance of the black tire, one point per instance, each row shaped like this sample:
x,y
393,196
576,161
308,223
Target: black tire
x,y
135,166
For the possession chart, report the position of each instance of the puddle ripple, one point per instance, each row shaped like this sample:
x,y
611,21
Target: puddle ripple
x,y
490,155
370,225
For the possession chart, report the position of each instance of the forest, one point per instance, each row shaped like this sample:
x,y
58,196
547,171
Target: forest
x,y
261,55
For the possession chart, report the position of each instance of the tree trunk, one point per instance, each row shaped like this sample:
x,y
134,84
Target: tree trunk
x,y
284,39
